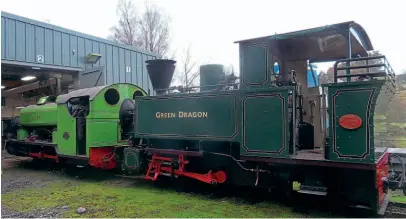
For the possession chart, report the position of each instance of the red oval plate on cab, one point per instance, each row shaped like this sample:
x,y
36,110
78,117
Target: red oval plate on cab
x,y
350,121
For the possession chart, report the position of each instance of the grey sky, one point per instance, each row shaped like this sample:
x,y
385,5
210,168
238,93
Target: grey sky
x,y
212,26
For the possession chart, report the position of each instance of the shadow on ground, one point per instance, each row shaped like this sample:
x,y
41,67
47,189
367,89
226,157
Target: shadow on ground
x,y
60,184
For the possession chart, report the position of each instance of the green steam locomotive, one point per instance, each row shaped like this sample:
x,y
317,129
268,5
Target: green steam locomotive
x,y
267,131
80,127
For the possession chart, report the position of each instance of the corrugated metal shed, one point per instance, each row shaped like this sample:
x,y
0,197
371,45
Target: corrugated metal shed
x,y
30,41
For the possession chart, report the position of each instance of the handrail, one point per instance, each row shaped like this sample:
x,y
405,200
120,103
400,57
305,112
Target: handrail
x,y
191,88
386,70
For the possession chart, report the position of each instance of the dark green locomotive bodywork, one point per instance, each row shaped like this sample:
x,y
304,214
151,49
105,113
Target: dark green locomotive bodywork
x,y
244,117
272,130
361,99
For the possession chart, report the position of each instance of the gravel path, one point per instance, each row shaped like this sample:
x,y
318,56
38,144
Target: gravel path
x,y
40,213
19,173
22,173
396,210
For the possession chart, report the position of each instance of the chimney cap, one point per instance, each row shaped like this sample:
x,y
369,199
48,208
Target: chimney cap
x,y
160,72
168,61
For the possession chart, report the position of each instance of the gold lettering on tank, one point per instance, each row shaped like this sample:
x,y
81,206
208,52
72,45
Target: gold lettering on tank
x,y
181,114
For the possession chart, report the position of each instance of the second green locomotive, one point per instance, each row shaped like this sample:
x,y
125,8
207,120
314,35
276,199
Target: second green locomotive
x,y
83,126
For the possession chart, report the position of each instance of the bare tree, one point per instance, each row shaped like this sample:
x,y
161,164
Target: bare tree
x,y
126,30
230,70
187,72
231,80
149,31
189,69
154,30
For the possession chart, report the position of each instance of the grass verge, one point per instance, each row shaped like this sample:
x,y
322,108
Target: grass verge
x,y
397,196
109,200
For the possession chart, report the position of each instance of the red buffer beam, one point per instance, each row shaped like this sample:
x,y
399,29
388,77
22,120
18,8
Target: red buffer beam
x,y
42,155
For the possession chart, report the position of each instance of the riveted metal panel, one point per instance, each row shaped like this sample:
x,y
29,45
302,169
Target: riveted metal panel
x,y
73,52
57,48
65,50
352,144
49,47
109,61
10,39
20,38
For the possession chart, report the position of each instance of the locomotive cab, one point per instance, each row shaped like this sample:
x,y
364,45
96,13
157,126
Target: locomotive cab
x,y
274,129
335,120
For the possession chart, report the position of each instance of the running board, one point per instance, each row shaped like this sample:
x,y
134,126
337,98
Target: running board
x,y
312,190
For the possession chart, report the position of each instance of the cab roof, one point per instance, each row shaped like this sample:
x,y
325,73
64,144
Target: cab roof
x,y
320,43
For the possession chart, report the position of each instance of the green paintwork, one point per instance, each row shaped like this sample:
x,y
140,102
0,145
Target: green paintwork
x,y
211,75
102,132
103,128
39,115
218,107
252,118
358,186
55,136
102,123
66,123
22,134
132,160
262,129
254,65
359,98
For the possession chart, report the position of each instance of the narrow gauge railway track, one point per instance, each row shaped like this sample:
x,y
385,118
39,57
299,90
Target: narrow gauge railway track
x,y
396,210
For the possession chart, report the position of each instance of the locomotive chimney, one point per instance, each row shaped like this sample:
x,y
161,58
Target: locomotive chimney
x,y
160,72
